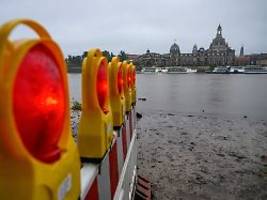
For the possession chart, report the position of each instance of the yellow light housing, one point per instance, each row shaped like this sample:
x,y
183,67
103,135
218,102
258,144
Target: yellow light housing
x,y
117,99
38,156
127,80
95,129
133,72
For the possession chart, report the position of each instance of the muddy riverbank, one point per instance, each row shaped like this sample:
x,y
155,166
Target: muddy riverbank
x,y
203,156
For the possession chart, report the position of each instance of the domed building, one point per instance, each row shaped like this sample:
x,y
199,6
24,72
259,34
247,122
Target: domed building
x,y
174,54
219,53
194,51
174,50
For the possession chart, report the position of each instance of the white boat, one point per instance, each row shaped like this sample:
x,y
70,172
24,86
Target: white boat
x,y
189,70
180,70
219,70
150,70
164,70
255,70
236,70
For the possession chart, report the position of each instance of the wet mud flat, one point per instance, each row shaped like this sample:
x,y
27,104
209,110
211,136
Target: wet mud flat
x,y
203,156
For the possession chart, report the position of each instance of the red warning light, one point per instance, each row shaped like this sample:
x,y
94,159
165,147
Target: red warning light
x,y
120,79
129,78
39,103
102,86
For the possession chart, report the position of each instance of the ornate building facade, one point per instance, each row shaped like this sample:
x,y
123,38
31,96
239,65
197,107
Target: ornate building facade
x,y
218,53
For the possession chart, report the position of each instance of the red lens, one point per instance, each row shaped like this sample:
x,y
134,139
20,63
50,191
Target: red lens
x,y
120,80
102,86
129,78
39,103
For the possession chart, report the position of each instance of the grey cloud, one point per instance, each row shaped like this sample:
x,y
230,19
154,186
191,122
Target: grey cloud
x,y
137,25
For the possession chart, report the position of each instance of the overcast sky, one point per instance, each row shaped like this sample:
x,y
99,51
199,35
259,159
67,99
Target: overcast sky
x,y
138,25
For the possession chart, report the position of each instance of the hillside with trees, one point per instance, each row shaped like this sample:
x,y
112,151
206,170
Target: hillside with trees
x,y
74,63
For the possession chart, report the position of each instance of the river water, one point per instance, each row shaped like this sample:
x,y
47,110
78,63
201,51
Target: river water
x,y
236,94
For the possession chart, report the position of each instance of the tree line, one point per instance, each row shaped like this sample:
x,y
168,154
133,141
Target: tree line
x,y
77,60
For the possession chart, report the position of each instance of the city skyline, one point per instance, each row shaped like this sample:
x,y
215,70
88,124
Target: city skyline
x,y
135,26
218,53
198,47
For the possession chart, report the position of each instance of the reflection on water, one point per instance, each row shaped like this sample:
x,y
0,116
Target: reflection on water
x,y
75,86
225,94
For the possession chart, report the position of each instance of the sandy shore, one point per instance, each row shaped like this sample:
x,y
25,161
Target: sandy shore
x,y
203,156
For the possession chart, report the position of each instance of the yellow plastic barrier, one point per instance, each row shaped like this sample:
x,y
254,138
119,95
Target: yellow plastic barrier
x,y
127,80
38,157
117,99
133,85
95,129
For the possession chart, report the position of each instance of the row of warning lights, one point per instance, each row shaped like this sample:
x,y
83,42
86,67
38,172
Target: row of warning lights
x,y
37,151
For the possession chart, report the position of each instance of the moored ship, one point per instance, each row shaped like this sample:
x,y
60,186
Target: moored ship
x,y
220,70
180,70
255,70
150,70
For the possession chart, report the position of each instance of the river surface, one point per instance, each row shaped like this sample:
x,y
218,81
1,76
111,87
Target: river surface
x,y
236,94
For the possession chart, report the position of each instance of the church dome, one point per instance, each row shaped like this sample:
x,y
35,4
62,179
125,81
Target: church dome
x,y
194,51
175,49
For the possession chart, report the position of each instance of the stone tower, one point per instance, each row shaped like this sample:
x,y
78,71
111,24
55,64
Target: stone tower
x,y
241,51
219,31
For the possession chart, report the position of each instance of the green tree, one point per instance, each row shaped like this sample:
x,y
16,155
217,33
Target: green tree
x,y
123,56
84,54
107,54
